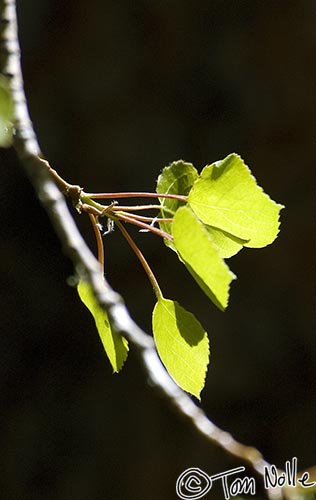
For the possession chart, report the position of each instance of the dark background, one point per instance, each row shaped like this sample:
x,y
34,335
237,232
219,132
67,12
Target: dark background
x,y
117,90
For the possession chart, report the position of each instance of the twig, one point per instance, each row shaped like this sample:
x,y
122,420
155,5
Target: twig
x,y
86,264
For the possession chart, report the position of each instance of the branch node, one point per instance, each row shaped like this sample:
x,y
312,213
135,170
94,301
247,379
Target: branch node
x,y
74,192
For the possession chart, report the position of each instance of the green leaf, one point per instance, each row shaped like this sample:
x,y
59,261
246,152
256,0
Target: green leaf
x,y
226,244
6,113
226,196
116,346
177,178
182,345
196,249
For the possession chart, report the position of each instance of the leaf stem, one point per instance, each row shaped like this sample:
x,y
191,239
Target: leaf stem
x,y
146,219
137,207
143,225
135,194
99,240
142,260
86,200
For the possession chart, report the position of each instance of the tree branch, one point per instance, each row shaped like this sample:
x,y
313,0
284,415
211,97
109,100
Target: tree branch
x,y
49,187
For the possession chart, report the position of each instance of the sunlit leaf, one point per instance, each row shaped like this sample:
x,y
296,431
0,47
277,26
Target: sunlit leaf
x,y
177,178
116,347
6,113
196,249
226,196
182,344
226,244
